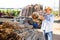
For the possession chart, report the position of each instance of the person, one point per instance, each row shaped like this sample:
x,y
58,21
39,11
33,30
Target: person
x,y
47,21
34,20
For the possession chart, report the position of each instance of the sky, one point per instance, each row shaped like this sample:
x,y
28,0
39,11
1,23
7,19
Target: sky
x,y
22,3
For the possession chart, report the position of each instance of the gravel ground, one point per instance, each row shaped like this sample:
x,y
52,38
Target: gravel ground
x,y
56,29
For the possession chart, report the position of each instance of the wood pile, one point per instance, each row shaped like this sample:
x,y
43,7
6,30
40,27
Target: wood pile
x,y
7,32
11,31
16,31
29,9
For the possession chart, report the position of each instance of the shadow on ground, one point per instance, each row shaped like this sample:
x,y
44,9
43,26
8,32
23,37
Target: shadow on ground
x,y
57,21
56,37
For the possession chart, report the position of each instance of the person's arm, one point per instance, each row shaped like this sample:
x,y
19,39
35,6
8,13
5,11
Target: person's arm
x,y
46,21
49,20
41,17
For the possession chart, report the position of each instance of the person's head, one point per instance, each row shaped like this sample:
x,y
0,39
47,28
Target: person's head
x,y
48,10
35,15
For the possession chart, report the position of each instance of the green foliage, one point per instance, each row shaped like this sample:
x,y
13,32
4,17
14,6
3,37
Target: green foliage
x,y
15,11
55,13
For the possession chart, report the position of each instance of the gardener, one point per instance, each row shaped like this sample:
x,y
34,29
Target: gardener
x,y
47,21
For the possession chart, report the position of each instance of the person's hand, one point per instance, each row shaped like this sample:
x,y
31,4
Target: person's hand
x,y
41,17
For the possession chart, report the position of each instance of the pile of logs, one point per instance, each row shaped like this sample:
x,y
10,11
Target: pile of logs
x,y
12,31
29,9
16,31
7,32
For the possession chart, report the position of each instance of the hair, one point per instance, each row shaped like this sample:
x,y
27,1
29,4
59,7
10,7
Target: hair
x,y
35,15
48,8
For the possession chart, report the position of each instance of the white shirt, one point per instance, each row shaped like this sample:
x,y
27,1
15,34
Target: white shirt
x,y
47,23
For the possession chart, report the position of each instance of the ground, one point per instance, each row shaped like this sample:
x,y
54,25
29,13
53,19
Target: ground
x,y
56,29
